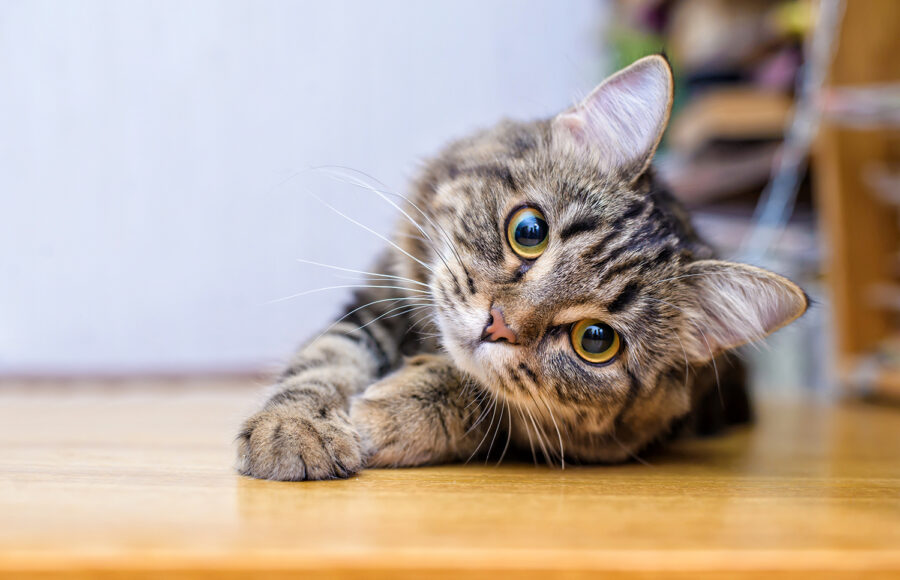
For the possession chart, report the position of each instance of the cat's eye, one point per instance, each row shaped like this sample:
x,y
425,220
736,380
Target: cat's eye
x,y
527,232
595,341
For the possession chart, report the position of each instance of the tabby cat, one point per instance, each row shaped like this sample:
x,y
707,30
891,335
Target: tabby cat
x,y
542,294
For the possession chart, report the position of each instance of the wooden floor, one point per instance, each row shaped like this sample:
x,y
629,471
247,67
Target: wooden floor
x,y
134,482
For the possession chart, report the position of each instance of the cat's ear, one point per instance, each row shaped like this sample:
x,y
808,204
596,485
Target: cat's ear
x,y
622,121
733,304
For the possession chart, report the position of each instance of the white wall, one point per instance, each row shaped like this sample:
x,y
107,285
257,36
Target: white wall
x,y
147,211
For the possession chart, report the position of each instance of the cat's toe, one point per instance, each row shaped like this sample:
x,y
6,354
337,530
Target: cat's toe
x,y
292,444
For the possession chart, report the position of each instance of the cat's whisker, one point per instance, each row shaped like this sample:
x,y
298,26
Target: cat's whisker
x,y
434,224
466,386
422,309
407,309
477,398
480,418
410,308
358,308
430,334
551,452
528,433
379,317
539,434
428,318
362,184
412,237
562,453
477,401
496,432
308,292
391,276
508,433
487,430
373,232
428,218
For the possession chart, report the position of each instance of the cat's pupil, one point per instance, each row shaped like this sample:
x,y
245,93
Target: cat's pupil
x,y
597,338
531,231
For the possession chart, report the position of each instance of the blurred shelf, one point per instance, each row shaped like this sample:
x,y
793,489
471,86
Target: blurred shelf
x,y
856,186
875,375
863,106
730,114
888,383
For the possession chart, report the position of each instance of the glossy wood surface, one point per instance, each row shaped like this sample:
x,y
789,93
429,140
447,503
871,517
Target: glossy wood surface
x,y
136,481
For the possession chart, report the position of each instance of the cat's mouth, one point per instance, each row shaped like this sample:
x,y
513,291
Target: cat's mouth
x,y
480,342
470,352
488,360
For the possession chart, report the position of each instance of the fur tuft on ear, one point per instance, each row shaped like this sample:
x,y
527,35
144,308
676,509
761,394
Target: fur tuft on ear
x,y
733,304
622,120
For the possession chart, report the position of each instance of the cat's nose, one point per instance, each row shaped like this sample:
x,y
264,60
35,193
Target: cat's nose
x,y
497,329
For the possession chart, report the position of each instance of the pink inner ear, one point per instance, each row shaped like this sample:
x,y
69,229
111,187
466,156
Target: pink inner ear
x,y
739,304
623,119
575,125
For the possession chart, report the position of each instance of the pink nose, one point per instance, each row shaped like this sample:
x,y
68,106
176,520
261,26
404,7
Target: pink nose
x,y
497,329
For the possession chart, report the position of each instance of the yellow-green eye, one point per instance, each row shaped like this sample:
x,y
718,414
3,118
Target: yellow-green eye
x,y
527,232
595,341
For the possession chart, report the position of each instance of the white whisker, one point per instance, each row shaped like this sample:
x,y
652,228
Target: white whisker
x,y
307,292
486,431
358,308
410,280
508,433
527,432
562,453
496,432
539,434
377,318
480,417
371,231
450,243
360,183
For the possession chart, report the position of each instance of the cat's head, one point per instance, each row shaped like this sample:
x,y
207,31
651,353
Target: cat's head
x,y
567,278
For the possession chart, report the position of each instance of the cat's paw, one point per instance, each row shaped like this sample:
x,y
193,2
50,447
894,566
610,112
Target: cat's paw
x,y
293,443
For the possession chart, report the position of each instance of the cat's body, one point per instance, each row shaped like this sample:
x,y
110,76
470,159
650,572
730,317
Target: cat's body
x,y
543,293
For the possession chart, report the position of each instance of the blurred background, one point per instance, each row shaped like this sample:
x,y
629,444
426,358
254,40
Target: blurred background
x,y
159,162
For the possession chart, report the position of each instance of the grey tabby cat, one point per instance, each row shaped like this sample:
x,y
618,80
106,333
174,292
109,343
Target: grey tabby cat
x,y
569,307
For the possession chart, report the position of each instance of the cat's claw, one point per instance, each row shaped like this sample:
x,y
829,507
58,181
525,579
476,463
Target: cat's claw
x,y
291,443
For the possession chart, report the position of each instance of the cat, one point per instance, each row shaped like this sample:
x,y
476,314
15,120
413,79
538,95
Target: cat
x,y
542,293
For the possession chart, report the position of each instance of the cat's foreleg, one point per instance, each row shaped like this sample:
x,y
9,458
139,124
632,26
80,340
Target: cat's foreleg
x,y
424,413
304,431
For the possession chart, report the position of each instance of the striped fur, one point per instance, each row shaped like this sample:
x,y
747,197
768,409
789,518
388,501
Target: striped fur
x,y
405,378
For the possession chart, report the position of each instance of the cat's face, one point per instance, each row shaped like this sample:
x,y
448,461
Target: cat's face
x,y
574,296
565,280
